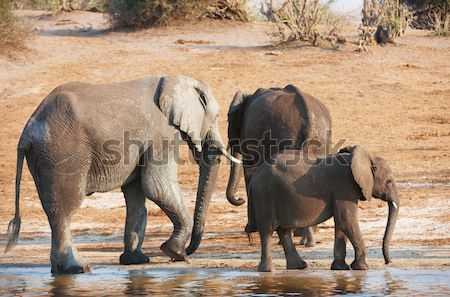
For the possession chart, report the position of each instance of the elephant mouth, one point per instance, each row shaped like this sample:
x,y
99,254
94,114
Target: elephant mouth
x,y
212,147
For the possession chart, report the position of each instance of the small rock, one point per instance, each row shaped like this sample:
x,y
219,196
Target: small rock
x,y
274,53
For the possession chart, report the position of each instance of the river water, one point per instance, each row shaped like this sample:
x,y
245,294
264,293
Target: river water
x,y
106,281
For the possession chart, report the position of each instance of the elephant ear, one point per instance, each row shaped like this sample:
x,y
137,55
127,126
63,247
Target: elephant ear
x,y
346,149
183,101
362,170
234,115
235,105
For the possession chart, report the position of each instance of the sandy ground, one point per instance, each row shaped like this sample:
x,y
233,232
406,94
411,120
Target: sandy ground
x,y
394,100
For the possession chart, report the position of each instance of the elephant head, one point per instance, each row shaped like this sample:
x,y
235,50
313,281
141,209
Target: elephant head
x,y
190,106
234,128
374,175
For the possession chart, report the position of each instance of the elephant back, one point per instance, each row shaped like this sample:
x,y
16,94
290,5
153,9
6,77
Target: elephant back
x,y
287,116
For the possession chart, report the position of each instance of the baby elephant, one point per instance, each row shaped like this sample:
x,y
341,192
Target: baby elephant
x,y
289,193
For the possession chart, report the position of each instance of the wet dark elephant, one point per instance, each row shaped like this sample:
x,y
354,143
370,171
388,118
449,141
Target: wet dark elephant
x,y
269,121
289,192
87,138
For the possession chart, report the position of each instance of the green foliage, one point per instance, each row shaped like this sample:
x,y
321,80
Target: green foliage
x,y
141,13
12,31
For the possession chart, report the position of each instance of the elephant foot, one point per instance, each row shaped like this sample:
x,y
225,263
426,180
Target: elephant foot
x,y
309,244
136,257
68,262
359,265
265,267
303,241
300,264
339,265
173,253
72,269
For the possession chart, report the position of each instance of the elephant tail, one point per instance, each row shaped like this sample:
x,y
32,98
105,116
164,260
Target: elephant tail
x,y
14,224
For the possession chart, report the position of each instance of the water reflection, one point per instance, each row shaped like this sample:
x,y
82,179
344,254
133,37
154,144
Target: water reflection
x,y
204,282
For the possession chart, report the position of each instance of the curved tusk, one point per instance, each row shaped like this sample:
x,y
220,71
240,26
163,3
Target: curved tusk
x,y
395,205
227,154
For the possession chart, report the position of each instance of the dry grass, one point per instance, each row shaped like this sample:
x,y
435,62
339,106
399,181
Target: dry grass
x,y
12,32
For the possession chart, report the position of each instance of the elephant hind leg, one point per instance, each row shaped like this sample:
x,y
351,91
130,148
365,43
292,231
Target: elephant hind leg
x,y
264,218
60,199
293,259
308,235
266,251
136,222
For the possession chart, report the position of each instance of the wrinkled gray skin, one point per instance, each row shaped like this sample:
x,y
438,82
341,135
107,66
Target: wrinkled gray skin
x,y
295,119
66,143
289,194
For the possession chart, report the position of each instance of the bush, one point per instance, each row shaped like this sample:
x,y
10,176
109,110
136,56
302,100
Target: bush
x,y
142,13
439,19
12,31
306,20
430,15
382,21
59,5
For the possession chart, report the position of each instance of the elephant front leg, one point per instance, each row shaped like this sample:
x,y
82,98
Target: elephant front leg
x,y
160,185
135,224
251,216
293,259
251,225
346,216
340,246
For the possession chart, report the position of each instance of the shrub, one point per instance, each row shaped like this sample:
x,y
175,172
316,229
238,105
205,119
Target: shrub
x,y
306,20
439,19
142,13
430,14
382,20
59,5
12,31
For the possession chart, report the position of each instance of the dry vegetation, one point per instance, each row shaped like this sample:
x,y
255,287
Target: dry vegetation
x,y
144,13
306,20
382,21
12,31
431,15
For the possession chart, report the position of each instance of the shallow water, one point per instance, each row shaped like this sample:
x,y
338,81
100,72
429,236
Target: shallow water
x,y
205,282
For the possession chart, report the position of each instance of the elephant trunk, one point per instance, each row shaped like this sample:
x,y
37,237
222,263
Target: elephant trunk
x,y
233,180
392,219
209,169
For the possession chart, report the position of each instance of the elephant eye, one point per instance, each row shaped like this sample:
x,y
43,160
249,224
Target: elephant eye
x,y
389,181
202,97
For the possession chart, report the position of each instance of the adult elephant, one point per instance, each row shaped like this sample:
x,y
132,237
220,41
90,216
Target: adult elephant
x,y
269,121
87,138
